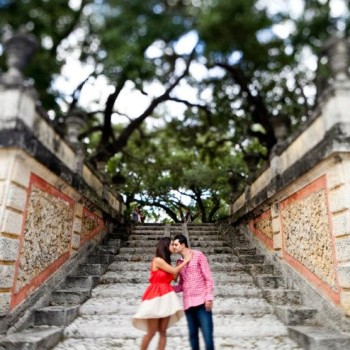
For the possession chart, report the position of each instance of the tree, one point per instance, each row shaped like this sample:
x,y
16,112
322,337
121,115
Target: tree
x,y
250,74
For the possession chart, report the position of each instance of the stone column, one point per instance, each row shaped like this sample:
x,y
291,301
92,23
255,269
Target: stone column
x,y
333,102
75,122
17,102
17,95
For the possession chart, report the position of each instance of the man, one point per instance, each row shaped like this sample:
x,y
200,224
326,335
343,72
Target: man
x,y
197,284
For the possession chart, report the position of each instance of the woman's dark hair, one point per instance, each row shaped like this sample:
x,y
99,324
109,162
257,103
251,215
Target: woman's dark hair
x,y
163,249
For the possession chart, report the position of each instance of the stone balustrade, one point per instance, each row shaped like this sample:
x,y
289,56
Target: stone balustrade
x,y
53,205
297,209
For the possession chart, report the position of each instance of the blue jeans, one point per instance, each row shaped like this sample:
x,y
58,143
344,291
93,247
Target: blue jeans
x,y
199,318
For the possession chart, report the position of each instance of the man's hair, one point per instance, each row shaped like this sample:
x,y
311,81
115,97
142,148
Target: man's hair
x,y
182,239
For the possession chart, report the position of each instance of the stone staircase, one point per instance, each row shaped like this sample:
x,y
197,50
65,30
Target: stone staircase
x,y
253,308
304,326
45,327
243,319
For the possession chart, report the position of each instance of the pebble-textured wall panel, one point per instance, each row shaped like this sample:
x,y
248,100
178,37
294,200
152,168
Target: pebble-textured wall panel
x,y
307,235
47,234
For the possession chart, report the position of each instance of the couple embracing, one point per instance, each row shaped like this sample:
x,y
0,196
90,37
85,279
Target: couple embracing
x,y
160,307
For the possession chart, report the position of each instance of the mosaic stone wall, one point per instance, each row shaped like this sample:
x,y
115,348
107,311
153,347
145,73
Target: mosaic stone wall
x,y
307,235
89,224
264,226
47,234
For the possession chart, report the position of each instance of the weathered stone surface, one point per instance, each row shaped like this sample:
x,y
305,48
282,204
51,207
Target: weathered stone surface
x,y
4,168
37,339
307,235
341,223
5,300
75,241
16,198
242,317
45,240
316,338
12,222
7,273
77,224
342,249
21,173
339,198
8,249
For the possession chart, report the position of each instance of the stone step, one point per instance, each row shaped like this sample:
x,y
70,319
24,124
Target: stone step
x,y
143,238
205,234
128,290
223,258
73,296
269,281
113,242
251,259
244,251
295,315
245,290
151,249
100,258
88,282
145,266
118,305
147,257
142,277
319,338
204,244
215,250
137,250
194,243
282,296
56,315
146,229
260,269
181,343
91,269
152,226
35,338
119,326
109,249
133,258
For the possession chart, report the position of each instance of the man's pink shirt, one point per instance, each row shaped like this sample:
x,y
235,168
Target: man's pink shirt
x,y
196,281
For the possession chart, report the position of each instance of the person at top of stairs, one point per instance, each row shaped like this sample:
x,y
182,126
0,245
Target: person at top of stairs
x,y
197,284
160,307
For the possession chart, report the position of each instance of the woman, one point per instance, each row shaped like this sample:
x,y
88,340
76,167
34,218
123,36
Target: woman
x,y
160,307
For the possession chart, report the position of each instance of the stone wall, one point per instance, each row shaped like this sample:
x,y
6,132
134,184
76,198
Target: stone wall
x,y
53,205
298,207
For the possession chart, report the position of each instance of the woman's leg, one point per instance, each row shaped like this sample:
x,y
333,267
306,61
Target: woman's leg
x,y
163,325
151,331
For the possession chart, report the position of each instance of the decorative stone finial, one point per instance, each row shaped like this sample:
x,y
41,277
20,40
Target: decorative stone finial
x,y
280,125
337,51
19,49
75,121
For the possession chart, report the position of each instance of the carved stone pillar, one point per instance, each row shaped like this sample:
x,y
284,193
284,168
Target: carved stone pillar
x,y
280,125
75,122
17,96
337,51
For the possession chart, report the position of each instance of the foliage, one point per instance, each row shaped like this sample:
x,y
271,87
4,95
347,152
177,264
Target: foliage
x,y
248,68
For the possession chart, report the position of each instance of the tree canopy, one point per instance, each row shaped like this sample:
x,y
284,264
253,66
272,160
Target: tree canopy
x,y
209,78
